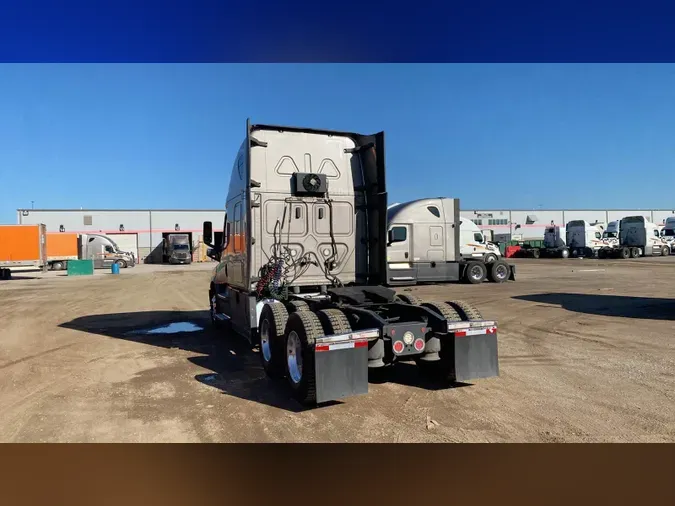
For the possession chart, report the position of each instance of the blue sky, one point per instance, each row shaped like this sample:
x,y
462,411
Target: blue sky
x,y
494,135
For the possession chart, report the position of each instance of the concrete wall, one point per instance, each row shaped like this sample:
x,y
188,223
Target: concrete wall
x,y
148,224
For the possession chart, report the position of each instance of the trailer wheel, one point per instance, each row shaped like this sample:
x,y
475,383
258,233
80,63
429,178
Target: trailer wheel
x,y
334,322
444,309
409,299
634,252
302,330
499,271
466,311
298,305
475,272
273,320
535,253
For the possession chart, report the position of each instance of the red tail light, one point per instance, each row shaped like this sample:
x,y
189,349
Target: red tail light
x,y
398,346
419,344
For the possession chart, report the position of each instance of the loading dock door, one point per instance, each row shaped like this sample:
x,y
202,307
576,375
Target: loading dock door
x,y
126,242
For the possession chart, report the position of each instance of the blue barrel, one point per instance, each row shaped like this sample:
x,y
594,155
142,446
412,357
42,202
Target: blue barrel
x,y
115,268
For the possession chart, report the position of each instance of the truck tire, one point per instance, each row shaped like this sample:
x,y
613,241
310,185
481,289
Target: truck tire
x,y
467,311
298,305
535,253
302,330
334,322
564,253
122,264
273,319
57,266
602,254
442,369
625,253
444,309
490,258
499,271
475,273
409,299
665,251
634,252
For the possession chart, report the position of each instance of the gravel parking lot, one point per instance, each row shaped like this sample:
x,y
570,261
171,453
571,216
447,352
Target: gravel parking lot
x,y
587,353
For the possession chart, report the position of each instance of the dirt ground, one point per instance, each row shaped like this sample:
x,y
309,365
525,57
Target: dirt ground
x,y
587,353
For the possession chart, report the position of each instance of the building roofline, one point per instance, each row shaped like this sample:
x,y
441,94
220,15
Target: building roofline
x,y
123,210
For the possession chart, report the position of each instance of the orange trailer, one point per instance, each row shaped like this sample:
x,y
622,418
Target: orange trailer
x,y
23,247
61,248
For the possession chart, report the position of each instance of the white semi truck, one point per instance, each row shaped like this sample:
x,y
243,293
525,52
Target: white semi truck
x,y
474,244
585,239
429,242
668,233
302,269
637,237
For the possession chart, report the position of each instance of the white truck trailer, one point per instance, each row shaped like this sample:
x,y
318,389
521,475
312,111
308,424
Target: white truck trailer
x,y
302,265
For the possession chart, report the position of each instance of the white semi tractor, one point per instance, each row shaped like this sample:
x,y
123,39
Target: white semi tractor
x,y
637,237
474,244
668,233
302,269
584,239
430,242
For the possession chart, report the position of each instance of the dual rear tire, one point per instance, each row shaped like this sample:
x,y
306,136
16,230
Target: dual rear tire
x,y
287,344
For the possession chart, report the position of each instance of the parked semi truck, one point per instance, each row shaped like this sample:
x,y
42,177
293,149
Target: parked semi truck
x,y
22,247
637,237
302,269
584,239
668,233
178,248
425,244
475,244
554,244
62,247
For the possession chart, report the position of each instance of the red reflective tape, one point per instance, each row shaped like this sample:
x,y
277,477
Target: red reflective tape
x,y
460,334
322,347
360,344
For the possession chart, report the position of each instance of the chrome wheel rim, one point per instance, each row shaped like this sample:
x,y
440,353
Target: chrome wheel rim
x,y
265,340
501,271
476,272
294,357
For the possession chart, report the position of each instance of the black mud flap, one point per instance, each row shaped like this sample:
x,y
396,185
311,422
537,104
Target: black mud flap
x,y
512,272
341,369
476,354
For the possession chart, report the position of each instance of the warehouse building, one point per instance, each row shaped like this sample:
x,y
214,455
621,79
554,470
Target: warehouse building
x,y
139,231
518,224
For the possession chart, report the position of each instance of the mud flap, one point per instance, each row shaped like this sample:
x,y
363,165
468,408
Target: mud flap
x,y
476,354
341,367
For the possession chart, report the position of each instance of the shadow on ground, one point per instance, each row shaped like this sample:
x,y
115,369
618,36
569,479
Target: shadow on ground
x,y
235,366
608,305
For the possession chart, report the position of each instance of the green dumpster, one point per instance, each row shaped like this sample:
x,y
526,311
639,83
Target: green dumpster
x,y
80,267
